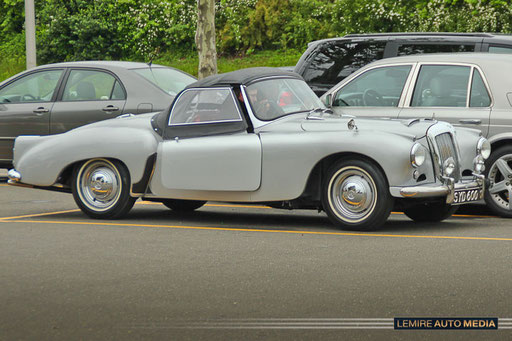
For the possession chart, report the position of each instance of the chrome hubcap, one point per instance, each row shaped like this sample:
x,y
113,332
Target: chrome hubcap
x,y
500,177
352,194
99,185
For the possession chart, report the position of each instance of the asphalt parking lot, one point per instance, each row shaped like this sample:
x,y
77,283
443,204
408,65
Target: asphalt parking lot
x,y
242,272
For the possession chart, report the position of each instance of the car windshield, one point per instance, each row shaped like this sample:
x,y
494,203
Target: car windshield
x,y
274,98
169,80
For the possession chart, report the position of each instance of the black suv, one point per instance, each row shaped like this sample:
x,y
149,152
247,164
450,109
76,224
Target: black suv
x,y
326,62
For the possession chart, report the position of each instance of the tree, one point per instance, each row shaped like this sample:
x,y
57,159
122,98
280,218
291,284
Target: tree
x,y
205,38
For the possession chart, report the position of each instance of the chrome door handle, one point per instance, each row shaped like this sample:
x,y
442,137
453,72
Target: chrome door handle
x,y
471,121
41,110
110,108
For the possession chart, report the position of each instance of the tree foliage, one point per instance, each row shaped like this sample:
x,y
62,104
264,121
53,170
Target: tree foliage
x,y
143,29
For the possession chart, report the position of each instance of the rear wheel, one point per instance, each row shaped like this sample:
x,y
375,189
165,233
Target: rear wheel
x,y
356,196
101,188
183,205
430,212
499,172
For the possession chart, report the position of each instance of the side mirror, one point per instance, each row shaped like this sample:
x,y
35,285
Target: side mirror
x,y
328,101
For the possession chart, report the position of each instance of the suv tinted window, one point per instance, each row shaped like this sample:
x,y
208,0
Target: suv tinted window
x,y
441,86
377,87
407,49
336,60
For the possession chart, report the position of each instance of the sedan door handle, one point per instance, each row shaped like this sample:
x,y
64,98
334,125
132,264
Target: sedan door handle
x,y
471,121
110,108
41,110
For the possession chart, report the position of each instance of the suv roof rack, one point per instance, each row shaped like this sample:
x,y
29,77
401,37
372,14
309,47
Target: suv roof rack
x,y
408,34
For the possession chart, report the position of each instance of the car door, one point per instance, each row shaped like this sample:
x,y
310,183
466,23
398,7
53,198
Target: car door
x,y
456,93
88,95
375,92
25,107
206,146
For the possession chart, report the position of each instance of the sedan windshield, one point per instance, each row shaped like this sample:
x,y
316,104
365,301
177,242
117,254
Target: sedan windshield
x,y
169,80
274,98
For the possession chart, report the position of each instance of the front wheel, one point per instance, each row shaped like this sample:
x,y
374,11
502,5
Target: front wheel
x,y
356,196
101,188
430,212
499,172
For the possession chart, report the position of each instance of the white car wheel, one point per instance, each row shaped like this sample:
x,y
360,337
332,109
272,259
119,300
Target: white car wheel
x,y
356,195
101,189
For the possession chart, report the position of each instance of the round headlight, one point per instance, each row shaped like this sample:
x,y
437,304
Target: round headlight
x,y
418,155
448,166
483,148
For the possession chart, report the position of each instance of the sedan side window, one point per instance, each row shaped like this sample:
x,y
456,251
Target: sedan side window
x,y
380,87
441,86
35,87
205,106
91,85
479,95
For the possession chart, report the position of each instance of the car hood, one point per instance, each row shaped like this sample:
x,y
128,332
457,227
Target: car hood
x,y
412,128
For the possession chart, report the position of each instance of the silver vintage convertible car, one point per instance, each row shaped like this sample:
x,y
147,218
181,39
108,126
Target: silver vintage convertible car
x,y
259,136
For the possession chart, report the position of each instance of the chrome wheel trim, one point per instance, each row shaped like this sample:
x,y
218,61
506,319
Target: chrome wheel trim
x,y
352,194
500,181
99,185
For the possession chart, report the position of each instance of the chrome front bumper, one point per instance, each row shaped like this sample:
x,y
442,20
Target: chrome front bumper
x,y
447,189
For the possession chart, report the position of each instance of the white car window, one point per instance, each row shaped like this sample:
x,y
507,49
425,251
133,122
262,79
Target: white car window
x,y
205,106
479,96
380,87
441,86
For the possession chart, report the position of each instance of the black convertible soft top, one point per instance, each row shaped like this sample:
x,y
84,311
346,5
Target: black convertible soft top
x,y
243,76
238,77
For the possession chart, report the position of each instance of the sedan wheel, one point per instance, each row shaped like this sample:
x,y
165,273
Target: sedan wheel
x,y
101,188
356,195
499,174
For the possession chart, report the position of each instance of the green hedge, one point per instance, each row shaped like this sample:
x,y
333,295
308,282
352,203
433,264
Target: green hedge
x,y
151,29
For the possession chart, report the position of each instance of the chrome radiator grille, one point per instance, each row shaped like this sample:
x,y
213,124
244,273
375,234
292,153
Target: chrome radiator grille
x,y
447,149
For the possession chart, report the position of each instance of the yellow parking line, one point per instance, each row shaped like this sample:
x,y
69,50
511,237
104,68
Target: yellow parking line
x,y
3,185
38,214
210,205
256,230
